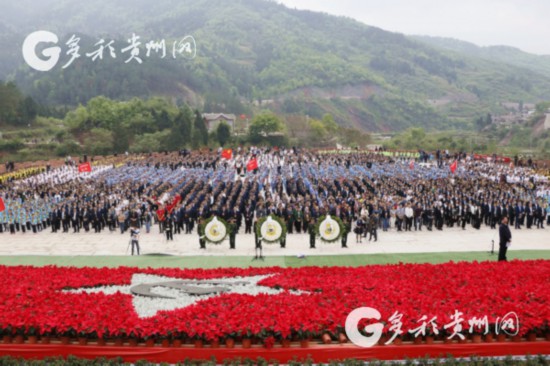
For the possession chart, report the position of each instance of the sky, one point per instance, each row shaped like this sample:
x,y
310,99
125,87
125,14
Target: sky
x,y
524,24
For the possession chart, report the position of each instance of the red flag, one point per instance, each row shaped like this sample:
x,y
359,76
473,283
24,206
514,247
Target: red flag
x,y
2,206
227,154
453,166
161,215
174,203
252,164
411,164
85,167
243,116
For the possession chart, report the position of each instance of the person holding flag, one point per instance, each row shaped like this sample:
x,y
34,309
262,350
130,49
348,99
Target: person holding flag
x,y
454,166
252,164
227,154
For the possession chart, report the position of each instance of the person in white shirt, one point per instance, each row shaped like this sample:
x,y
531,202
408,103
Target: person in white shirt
x,y
409,213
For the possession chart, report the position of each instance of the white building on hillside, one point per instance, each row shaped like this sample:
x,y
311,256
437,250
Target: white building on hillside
x,y
212,120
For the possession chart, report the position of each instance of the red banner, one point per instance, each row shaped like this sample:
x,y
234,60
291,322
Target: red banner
x,y
85,167
318,353
252,164
2,206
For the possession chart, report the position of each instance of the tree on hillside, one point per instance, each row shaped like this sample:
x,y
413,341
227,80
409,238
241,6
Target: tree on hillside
x,y
542,107
163,120
200,129
14,107
264,126
223,133
482,122
99,141
353,138
330,125
121,138
28,109
102,112
418,134
181,130
317,130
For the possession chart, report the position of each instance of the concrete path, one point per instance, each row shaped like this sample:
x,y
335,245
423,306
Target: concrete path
x,y
106,243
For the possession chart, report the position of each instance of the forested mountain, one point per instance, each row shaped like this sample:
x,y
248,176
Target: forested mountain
x,y
505,54
253,52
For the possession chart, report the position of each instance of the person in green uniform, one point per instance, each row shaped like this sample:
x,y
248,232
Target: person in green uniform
x,y
345,232
232,233
312,233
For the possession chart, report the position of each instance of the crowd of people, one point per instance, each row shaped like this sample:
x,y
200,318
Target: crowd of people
x,y
368,191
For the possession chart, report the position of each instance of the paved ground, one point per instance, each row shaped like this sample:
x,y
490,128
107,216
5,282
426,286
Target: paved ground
x,y
106,243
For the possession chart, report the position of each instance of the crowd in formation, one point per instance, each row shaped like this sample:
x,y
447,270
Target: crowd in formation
x,y
368,191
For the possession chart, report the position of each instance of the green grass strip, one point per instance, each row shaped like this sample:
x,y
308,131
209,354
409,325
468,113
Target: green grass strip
x,y
354,260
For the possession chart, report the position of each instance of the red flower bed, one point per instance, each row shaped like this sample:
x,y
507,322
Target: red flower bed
x,y
33,300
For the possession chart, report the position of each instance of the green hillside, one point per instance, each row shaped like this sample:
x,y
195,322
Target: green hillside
x,y
258,52
504,54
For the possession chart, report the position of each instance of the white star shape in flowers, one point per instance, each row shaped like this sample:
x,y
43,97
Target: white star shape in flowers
x,y
167,297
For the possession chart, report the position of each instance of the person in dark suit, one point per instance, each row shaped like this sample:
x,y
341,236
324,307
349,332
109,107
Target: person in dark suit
x,y
519,215
248,218
75,216
529,215
538,216
505,237
169,227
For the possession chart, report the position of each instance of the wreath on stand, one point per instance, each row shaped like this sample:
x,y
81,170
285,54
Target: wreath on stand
x,y
271,229
215,230
329,228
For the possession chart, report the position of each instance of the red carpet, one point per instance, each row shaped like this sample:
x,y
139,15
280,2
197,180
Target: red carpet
x,y
319,353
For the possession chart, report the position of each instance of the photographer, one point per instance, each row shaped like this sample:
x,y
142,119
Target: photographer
x,y
134,239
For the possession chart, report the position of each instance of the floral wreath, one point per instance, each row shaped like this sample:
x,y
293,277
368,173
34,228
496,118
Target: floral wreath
x,y
214,230
271,229
329,228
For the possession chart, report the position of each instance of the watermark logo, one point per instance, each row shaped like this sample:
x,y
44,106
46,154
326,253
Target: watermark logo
x,y
457,325
51,54
352,327
135,50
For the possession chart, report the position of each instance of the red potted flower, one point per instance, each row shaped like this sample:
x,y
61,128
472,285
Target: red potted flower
x,y
32,334
303,336
230,339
